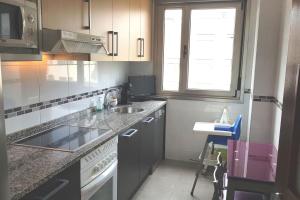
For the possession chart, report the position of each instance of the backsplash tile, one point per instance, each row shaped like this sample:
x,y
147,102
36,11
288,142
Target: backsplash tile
x,y
40,91
53,80
79,78
54,112
269,99
22,122
21,85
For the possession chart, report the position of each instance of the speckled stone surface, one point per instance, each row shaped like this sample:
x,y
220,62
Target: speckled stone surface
x,y
31,167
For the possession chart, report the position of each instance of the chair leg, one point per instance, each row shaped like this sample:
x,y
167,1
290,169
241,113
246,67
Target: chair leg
x,y
200,167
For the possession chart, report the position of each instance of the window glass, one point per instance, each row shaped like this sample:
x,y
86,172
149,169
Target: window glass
x,y
212,34
172,43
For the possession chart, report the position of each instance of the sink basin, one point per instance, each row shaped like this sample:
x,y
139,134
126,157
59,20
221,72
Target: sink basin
x,y
127,110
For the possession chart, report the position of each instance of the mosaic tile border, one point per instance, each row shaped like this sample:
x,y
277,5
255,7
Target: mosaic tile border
x,y
13,112
270,99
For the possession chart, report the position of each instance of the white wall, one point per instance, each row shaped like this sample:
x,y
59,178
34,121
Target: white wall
x,y
181,142
269,70
281,68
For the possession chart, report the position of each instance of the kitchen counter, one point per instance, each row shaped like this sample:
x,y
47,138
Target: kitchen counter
x,y
30,167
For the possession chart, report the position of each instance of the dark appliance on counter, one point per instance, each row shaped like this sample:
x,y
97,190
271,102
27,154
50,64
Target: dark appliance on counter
x,y
142,88
65,185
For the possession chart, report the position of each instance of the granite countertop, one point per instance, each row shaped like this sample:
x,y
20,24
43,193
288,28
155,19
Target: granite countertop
x,y
30,167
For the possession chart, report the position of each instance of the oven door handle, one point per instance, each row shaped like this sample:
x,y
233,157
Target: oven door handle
x,y
92,187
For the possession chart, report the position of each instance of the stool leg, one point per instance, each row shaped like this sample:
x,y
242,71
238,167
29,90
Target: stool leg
x,y
200,167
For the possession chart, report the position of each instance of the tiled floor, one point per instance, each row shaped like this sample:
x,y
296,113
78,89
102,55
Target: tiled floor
x,y
173,181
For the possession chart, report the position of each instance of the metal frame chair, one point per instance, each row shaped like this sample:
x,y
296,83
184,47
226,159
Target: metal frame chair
x,y
221,140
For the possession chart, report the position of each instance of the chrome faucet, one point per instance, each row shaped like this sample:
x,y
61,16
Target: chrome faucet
x,y
106,102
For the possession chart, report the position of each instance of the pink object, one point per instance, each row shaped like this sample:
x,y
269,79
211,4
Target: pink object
x,y
253,161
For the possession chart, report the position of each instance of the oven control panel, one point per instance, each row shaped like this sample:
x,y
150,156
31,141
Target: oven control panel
x,y
96,162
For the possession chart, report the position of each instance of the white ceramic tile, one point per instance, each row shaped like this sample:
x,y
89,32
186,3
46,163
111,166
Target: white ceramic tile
x,y
54,113
181,142
79,105
53,82
107,74
262,122
22,122
79,78
20,85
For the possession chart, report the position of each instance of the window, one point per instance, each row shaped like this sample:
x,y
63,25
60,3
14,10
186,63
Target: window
x,y
172,43
200,48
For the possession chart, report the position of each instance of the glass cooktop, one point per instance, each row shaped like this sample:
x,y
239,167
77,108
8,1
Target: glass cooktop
x,y
65,137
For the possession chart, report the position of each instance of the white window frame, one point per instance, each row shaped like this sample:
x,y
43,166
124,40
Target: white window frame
x,y
183,91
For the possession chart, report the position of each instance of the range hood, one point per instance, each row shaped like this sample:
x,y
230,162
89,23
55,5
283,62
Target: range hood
x,y
60,41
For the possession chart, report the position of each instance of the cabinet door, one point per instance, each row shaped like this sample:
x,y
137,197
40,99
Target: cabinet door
x,y
147,146
159,135
146,29
121,30
101,25
65,14
65,185
128,167
135,30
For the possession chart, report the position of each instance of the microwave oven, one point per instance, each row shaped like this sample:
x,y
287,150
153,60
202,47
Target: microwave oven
x,y
19,26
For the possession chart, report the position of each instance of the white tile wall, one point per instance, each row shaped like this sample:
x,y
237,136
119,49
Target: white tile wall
x,y
53,80
26,83
79,105
262,122
21,122
106,74
20,85
181,142
79,78
54,113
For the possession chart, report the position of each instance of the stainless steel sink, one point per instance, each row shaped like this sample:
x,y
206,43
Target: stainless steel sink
x,y
127,109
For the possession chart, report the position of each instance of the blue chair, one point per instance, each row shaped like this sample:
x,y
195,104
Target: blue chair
x,y
222,140
235,129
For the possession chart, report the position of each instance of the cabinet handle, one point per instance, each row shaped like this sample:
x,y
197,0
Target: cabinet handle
x,y
116,42
129,133
62,183
139,47
142,47
87,9
110,43
148,120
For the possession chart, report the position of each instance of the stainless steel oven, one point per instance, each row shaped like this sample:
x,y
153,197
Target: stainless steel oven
x,y
19,25
99,172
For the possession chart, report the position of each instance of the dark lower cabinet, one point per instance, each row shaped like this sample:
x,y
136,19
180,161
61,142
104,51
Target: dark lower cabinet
x,y
147,144
159,135
65,185
129,162
139,149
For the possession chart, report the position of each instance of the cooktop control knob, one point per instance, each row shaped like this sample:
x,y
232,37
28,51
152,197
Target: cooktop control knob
x,y
96,170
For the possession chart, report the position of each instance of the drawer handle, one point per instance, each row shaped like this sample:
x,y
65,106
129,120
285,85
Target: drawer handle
x,y
129,133
148,120
62,183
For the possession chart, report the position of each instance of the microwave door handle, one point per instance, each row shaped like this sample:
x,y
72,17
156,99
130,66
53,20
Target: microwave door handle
x,y
89,190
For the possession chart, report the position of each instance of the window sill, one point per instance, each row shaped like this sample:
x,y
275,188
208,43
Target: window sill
x,y
238,100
